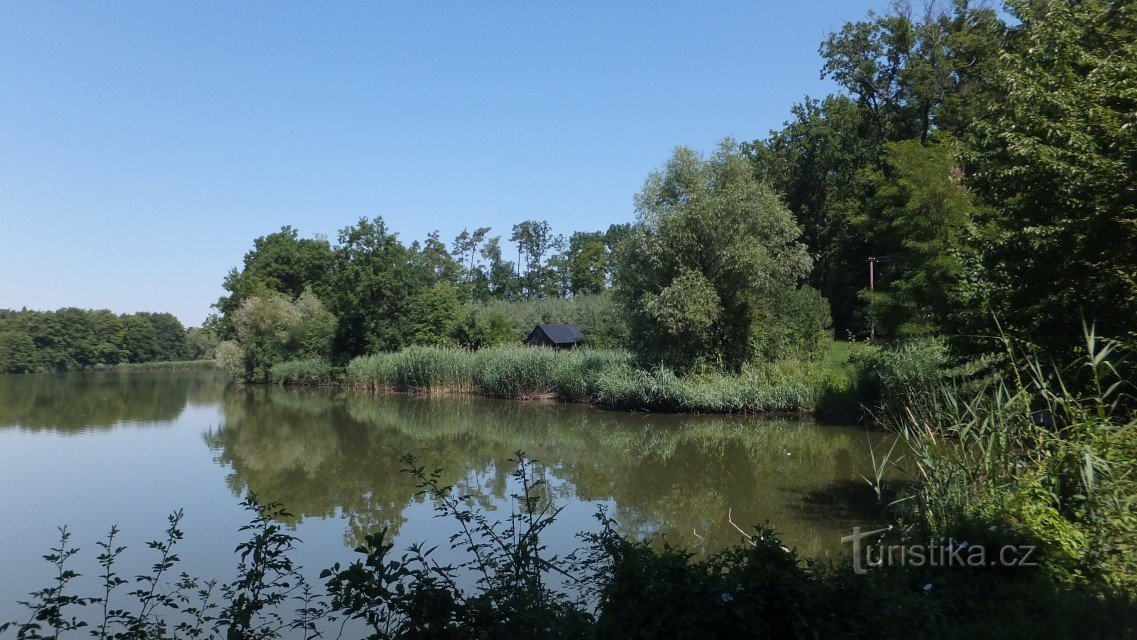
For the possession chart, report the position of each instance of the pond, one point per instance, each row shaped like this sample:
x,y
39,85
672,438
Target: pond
x,y
99,449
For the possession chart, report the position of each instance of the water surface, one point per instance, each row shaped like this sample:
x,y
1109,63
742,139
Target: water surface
x,y
92,450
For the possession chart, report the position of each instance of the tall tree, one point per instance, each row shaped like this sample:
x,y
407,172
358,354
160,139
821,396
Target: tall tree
x,y
587,262
712,247
281,262
372,284
922,218
1055,159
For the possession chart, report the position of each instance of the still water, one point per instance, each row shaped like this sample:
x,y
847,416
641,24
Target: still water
x,y
100,449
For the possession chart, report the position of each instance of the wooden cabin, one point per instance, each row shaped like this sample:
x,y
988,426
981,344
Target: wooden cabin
x,y
557,336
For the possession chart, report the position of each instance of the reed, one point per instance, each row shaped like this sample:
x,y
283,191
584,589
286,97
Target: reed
x,y
606,377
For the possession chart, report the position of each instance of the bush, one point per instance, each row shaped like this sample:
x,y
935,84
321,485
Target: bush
x,y
901,375
307,372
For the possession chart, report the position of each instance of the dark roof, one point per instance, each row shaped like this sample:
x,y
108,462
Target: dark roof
x,y
562,333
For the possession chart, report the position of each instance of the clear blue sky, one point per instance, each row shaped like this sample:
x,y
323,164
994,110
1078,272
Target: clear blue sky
x,y
144,145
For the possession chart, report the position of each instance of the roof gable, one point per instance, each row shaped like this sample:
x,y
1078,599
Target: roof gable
x,y
562,333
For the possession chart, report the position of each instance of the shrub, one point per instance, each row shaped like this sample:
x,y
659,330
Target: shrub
x,y
310,371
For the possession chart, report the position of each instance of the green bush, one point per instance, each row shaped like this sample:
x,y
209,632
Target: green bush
x,y
306,372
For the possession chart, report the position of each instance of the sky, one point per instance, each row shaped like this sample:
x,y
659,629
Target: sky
x,y
145,145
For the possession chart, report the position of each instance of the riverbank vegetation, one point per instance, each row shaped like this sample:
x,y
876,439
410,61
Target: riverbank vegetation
x,y
75,339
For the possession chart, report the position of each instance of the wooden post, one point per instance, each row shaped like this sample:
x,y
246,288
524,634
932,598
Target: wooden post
x,y
872,287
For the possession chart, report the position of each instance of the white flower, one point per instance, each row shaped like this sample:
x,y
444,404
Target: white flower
x,y
726,597
992,529
927,588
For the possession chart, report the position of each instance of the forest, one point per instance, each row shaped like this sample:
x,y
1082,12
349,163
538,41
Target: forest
x,y
74,339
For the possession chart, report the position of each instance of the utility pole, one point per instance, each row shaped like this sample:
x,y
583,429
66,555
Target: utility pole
x,y
872,287
873,260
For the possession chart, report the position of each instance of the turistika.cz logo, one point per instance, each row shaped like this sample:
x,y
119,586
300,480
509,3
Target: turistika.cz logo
x,y
869,552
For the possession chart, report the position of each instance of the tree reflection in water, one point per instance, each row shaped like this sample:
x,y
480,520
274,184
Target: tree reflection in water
x,y
325,454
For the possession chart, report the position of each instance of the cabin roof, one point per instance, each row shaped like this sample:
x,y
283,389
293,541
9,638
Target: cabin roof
x,y
561,333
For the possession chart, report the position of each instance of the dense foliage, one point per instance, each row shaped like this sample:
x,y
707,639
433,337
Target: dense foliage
x,y
985,167
711,255
383,295
73,339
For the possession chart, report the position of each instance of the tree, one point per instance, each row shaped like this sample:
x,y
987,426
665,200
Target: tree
x,y
587,262
820,163
501,281
139,342
280,262
466,246
534,240
17,352
435,316
169,336
273,328
711,248
1055,160
432,263
915,74
922,217
372,283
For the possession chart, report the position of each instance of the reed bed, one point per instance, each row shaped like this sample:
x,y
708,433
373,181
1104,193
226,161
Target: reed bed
x,y
165,365
604,377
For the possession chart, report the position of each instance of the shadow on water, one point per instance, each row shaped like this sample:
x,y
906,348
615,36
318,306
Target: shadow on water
x,y
324,454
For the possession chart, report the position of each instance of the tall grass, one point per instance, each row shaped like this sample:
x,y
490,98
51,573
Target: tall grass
x,y
605,377
1041,451
169,365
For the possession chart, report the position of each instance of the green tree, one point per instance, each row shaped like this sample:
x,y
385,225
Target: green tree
x,y
432,263
17,352
273,328
819,163
922,217
711,248
436,314
170,336
501,281
1055,160
587,262
201,343
482,328
372,284
139,341
281,262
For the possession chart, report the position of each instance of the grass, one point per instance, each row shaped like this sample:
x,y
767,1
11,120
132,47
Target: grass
x,y
605,377
171,365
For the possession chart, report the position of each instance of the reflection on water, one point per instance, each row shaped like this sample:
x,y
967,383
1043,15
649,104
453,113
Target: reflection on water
x,y
323,453
77,402
332,458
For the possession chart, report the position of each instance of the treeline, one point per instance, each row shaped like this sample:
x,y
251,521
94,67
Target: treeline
x,y
73,339
300,298
972,179
985,167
